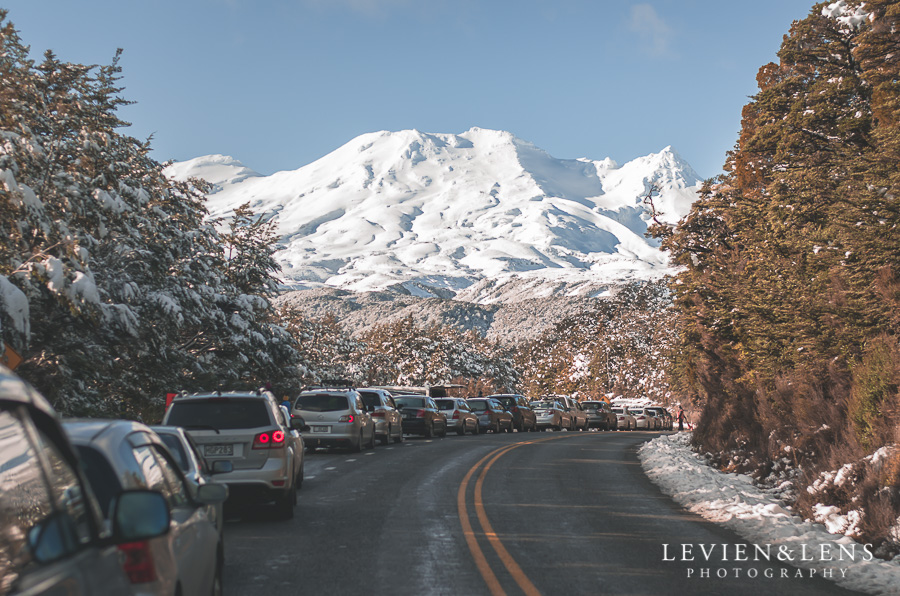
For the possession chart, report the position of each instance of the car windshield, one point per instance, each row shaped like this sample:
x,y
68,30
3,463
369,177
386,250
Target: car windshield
x,y
410,402
220,413
322,402
370,398
445,404
478,405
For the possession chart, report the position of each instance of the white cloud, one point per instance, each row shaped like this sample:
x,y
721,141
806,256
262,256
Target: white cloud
x,y
654,34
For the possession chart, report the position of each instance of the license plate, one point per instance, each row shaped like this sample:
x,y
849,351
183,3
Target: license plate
x,y
219,450
319,429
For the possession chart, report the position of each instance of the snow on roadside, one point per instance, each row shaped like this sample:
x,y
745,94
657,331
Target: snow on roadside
x,y
758,516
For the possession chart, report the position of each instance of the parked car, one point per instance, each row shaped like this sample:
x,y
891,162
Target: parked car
x,y
421,416
194,467
568,416
120,455
524,417
664,417
644,419
337,417
492,416
381,407
600,415
250,430
46,497
550,414
460,417
624,419
578,415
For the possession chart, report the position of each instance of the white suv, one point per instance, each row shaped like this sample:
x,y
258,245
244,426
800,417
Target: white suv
x,y
250,430
336,416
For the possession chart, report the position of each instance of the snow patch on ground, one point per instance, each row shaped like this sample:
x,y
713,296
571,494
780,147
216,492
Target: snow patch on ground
x,y
758,515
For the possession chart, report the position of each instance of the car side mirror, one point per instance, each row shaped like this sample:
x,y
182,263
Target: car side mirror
x,y
212,493
140,515
298,423
222,466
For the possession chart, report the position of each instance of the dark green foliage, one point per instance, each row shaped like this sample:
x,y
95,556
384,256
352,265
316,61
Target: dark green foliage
x,y
128,290
787,304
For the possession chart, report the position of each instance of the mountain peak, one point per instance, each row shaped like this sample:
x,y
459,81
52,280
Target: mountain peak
x,y
439,212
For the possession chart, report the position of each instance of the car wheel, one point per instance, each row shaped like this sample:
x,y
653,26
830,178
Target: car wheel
x,y
444,431
372,440
358,445
476,430
285,504
299,480
462,429
387,437
429,431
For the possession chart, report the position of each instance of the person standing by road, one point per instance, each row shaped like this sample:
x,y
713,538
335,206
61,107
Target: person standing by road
x,y
680,418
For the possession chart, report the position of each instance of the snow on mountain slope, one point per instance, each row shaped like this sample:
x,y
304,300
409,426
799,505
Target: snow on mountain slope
x,y
436,213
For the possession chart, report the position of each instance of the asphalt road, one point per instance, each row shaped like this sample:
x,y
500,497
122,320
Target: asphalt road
x,y
522,513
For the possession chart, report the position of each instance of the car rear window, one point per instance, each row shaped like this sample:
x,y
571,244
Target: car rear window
x,y
410,402
478,406
541,404
322,402
219,413
176,449
370,398
445,404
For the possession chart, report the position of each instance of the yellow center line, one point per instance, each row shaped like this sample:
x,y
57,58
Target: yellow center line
x,y
481,563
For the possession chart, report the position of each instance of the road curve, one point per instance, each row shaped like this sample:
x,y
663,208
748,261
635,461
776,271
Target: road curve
x,y
522,513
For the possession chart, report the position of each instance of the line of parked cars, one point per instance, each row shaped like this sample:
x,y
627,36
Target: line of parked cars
x,y
118,507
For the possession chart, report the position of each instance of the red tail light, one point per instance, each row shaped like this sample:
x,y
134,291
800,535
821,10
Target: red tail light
x,y
378,414
420,413
455,414
269,440
347,418
138,562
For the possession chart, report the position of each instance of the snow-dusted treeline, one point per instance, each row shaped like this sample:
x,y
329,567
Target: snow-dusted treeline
x,y
114,287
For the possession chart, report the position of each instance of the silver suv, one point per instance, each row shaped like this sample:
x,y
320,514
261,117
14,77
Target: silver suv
x,y
250,430
381,406
52,534
337,417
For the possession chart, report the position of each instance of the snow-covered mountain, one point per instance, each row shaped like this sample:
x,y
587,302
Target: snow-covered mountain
x,y
437,214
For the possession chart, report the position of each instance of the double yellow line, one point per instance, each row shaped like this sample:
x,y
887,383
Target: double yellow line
x,y
484,568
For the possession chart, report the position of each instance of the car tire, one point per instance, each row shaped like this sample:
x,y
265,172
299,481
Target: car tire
x,y
358,446
429,431
476,430
462,429
444,431
387,437
284,506
371,444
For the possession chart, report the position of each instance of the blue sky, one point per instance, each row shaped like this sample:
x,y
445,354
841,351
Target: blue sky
x,y
279,83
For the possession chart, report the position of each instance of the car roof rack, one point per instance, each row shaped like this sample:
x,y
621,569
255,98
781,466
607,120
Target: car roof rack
x,y
332,384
